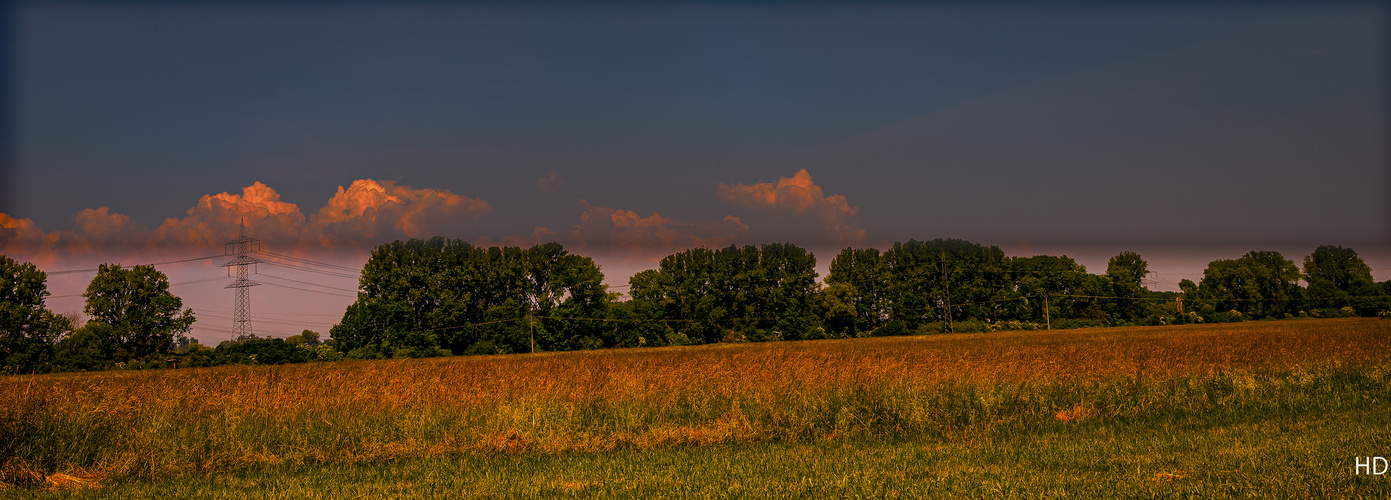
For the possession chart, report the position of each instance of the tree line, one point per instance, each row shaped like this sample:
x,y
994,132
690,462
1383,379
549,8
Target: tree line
x,y
440,296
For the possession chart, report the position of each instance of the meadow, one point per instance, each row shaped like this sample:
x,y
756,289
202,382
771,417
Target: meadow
x,y
1229,410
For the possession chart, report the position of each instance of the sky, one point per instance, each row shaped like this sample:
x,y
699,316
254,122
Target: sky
x,y
1188,132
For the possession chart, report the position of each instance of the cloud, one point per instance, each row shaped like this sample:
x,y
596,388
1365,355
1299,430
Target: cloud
x,y
552,183
216,219
21,239
365,213
798,198
371,211
618,229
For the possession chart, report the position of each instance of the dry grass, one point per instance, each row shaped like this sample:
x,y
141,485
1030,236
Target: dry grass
x,y
77,428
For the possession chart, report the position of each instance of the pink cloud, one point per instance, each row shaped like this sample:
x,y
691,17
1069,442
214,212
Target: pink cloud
x,y
619,229
365,213
798,197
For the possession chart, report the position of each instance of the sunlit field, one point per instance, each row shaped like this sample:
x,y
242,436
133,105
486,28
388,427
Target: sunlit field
x,y
1208,410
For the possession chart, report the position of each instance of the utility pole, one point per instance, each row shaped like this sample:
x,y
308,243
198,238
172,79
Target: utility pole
x,y
1047,321
241,310
946,289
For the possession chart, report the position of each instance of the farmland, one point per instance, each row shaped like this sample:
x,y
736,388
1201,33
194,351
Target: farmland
x,y
1214,410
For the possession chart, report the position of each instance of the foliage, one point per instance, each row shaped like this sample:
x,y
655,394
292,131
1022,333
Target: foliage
x,y
421,296
857,298
1260,284
752,291
1126,273
308,337
944,279
1337,277
144,318
264,351
26,326
1046,288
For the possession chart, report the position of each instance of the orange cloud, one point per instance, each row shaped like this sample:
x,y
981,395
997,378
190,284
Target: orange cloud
x,y
215,219
625,229
798,195
21,239
366,213
369,211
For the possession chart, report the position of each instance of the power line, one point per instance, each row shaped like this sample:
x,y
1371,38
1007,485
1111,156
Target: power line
x,y
306,282
95,269
311,262
310,270
311,291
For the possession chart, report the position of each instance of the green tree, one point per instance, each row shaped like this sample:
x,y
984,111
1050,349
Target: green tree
x,y
144,317
1127,272
27,328
307,337
1040,281
1259,284
1338,278
760,293
945,279
859,278
419,295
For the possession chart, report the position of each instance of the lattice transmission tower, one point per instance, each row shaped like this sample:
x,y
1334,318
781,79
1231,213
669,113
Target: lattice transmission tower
x,y
241,311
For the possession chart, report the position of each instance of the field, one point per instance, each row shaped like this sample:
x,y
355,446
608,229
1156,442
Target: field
x,y
1233,410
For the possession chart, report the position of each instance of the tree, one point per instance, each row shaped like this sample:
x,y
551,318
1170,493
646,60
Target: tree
x,y
857,276
1127,273
1259,284
1338,278
1046,281
307,337
761,293
419,296
144,318
945,279
27,329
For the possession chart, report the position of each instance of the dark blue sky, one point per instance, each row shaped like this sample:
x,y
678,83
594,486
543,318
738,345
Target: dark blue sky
x,y
1057,128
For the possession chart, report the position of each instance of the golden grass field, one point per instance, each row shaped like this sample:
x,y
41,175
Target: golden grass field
x,y
86,428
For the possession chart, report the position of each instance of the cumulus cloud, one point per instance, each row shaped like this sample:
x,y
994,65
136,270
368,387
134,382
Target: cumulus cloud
x,y
365,213
22,239
216,217
369,211
799,198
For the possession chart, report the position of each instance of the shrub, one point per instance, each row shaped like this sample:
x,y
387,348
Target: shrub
x,y
969,326
934,327
893,328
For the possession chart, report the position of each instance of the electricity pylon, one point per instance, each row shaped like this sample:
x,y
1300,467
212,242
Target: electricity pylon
x,y
241,311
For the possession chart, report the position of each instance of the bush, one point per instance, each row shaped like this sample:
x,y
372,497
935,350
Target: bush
x,y
969,326
1012,325
932,328
1232,316
1074,323
324,352
268,351
674,337
893,328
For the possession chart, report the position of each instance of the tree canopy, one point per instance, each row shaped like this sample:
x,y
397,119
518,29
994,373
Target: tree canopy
x,y
759,293
134,311
26,327
420,296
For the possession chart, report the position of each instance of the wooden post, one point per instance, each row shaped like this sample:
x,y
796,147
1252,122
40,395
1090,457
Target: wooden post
x,y
946,301
1047,320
